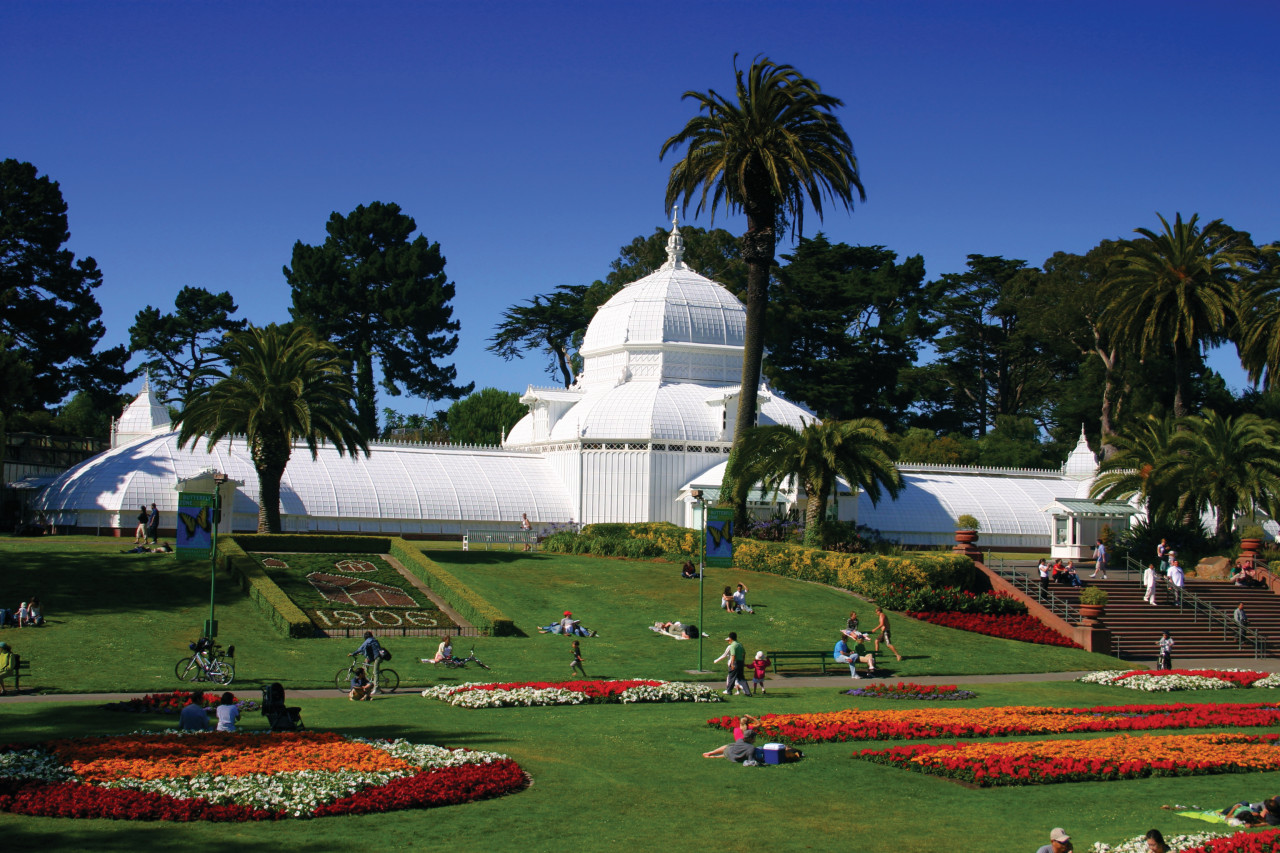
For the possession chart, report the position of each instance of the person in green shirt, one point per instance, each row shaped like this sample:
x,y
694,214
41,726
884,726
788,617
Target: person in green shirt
x,y
736,656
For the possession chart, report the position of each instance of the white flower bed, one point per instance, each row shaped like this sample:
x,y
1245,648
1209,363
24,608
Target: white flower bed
x,y
33,764
474,695
1176,843
1157,683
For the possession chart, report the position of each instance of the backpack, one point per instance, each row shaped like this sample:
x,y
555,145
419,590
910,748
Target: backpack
x,y
383,654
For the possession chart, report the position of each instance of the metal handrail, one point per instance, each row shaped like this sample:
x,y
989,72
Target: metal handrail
x,y
1031,586
1185,599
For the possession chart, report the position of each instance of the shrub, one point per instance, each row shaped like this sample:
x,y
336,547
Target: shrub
x,y
475,609
1093,596
949,600
968,522
283,615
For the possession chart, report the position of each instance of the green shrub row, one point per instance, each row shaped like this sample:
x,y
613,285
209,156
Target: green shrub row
x,y
285,616
949,600
313,543
566,542
460,597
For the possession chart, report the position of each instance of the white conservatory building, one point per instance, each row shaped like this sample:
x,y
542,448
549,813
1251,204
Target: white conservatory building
x,y
650,417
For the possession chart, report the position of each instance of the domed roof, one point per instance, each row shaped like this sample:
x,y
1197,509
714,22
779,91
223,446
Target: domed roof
x,y
672,305
1081,464
145,416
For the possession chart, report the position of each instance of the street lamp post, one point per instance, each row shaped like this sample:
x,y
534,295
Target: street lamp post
x,y
211,627
696,494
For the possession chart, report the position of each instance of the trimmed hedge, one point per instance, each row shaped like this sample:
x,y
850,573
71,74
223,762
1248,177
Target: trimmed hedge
x,y
461,597
869,575
313,543
285,616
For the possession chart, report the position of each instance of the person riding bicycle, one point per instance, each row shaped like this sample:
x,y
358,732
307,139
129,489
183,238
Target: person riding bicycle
x,y
373,656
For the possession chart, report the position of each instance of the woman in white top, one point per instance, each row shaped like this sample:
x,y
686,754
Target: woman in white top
x,y
228,713
443,652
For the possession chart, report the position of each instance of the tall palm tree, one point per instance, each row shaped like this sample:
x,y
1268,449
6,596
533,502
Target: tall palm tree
x,y
773,148
858,450
1259,319
1139,467
283,385
1228,465
1175,288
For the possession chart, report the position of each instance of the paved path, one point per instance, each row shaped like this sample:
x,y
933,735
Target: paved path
x,y
774,682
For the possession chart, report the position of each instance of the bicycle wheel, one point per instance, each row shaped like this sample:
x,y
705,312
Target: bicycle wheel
x,y
222,672
388,680
484,666
187,669
342,680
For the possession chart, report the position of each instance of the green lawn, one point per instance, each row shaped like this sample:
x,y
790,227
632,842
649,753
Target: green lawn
x,y
603,776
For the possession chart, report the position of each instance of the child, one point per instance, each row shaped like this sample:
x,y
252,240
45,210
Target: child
x,y
577,660
1165,643
759,667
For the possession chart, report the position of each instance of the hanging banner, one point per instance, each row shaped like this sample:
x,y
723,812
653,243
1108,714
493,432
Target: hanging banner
x,y
720,536
195,526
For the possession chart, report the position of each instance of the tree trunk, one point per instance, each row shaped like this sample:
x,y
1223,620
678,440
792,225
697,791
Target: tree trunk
x,y
270,456
757,250
1179,384
815,510
366,396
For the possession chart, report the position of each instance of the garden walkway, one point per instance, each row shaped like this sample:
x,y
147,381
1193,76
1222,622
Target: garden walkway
x,y
773,682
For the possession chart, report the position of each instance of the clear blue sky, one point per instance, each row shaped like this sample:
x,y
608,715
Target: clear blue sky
x,y
195,142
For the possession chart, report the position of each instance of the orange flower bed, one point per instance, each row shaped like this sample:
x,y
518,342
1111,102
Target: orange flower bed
x,y
936,722
1100,759
222,753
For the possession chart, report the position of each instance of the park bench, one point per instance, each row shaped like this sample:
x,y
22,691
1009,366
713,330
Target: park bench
x,y
18,666
822,658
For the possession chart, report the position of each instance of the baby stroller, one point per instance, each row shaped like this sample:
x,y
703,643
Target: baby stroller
x,y
280,718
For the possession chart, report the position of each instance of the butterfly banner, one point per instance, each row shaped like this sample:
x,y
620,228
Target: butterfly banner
x,y
720,536
195,526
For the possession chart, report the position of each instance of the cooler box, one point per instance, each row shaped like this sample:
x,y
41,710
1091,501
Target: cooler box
x,y
774,752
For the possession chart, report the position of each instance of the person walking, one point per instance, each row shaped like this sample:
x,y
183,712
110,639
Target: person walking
x,y
1162,554
1149,580
735,655
1241,619
140,534
1177,579
1043,569
1099,560
526,529
153,525
883,627
577,660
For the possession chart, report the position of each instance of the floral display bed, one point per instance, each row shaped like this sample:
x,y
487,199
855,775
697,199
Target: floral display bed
x,y
921,723
1192,843
242,776
1044,762
1170,680
909,690
527,693
1014,626
1267,841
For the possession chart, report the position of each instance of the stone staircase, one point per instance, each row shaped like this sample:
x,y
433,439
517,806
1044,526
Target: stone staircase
x,y
1136,625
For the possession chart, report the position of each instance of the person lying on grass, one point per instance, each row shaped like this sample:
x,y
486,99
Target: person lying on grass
x,y
743,747
675,630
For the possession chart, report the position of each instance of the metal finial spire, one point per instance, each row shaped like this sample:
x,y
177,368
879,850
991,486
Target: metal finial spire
x,y
675,244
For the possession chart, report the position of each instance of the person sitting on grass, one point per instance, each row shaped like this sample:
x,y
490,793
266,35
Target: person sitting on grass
x,y
194,717
444,652
228,713
688,570
743,747
361,687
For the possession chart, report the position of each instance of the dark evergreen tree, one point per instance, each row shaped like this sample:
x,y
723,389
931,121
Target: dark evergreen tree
x,y
843,324
378,294
484,417
181,345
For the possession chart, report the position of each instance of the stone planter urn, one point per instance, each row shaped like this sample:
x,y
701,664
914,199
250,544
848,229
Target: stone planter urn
x,y
1091,614
966,544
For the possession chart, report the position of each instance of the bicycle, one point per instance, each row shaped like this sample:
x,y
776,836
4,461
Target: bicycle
x,y
207,663
456,662
388,679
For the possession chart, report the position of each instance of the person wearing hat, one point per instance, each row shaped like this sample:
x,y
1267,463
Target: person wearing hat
x,y
736,655
8,664
1059,841
759,667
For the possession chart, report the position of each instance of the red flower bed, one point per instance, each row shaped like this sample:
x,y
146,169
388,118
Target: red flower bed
x,y
72,799
593,689
935,722
444,787
1243,678
1016,626
168,703
1267,841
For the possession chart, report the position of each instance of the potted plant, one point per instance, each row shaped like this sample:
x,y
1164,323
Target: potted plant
x,y
1093,600
967,529
1251,536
